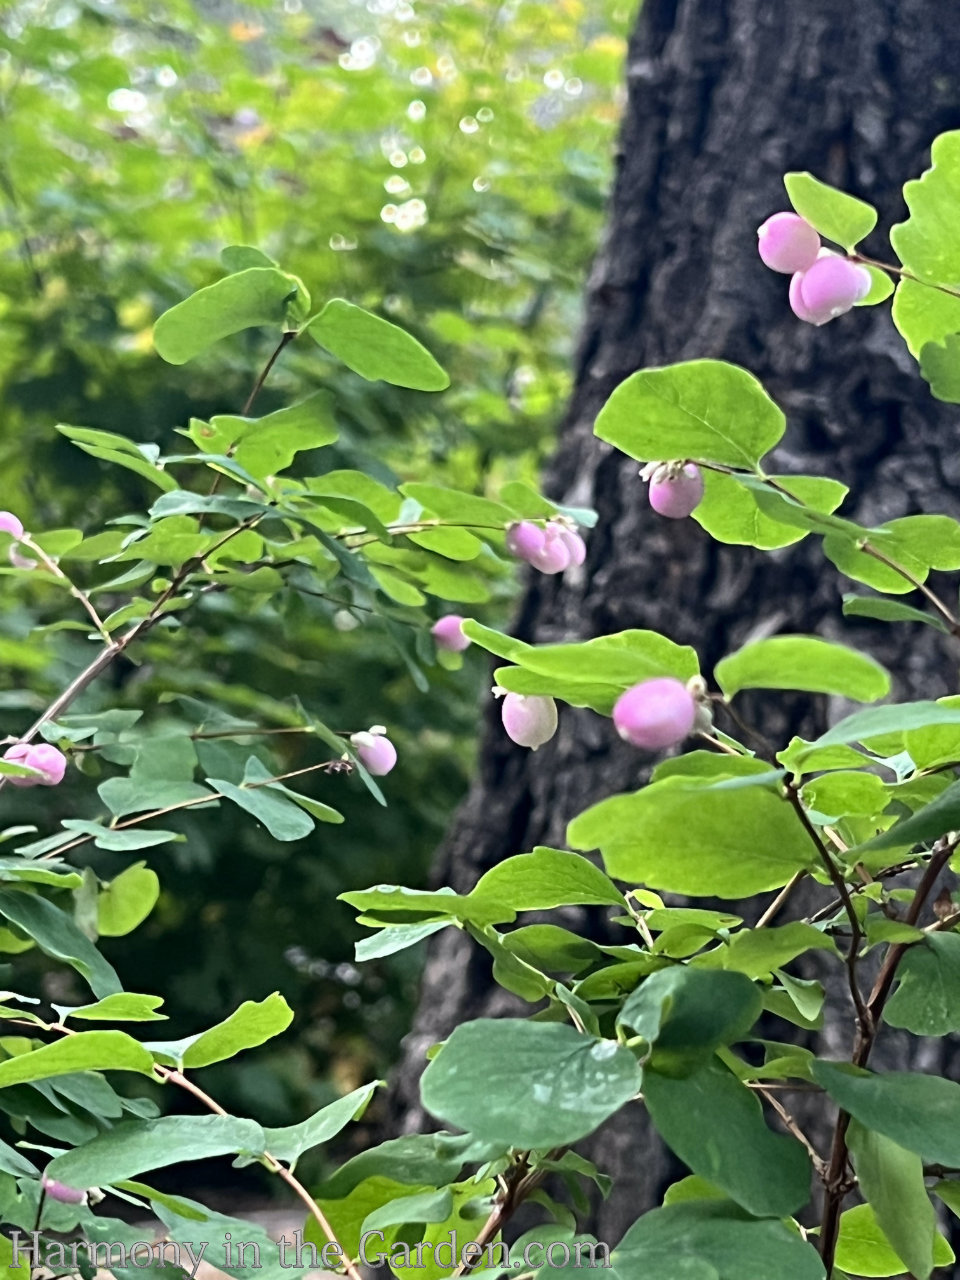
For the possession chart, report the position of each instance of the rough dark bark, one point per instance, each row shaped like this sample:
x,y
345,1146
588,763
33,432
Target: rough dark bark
x,y
724,96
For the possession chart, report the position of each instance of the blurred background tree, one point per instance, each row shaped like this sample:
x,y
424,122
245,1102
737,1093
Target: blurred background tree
x,y
446,163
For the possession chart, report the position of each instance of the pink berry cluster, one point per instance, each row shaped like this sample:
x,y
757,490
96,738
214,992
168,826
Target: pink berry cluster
x,y
550,549
676,488
823,284
374,750
49,763
9,523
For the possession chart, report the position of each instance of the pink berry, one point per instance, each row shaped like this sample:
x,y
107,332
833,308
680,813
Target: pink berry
x,y
447,632
676,493
10,524
554,556
529,719
655,714
375,751
828,289
525,540
50,763
788,243
60,1191
574,544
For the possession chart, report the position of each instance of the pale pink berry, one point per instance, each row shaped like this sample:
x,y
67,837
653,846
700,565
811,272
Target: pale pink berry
x,y
50,764
525,539
60,1191
828,289
574,544
675,493
447,632
10,524
530,720
375,751
788,243
655,714
554,555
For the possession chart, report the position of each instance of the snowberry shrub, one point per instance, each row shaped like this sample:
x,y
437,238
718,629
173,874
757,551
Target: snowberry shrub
x,y
866,818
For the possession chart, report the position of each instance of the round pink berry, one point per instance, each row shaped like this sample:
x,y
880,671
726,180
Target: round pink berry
x,y
60,1191
530,720
676,493
50,764
10,524
655,714
574,544
525,540
554,555
375,751
788,243
828,289
447,632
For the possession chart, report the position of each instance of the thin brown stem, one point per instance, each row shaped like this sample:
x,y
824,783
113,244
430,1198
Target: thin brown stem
x,y
952,622
903,273
284,342
791,1125
781,900
519,1182
50,564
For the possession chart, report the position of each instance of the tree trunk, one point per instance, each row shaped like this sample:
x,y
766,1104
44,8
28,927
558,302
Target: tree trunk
x,y
724,96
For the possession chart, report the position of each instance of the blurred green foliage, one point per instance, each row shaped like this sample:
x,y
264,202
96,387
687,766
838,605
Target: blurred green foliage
x,y
445,163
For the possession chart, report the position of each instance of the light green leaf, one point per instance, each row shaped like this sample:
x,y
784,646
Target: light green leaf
x,y
876,721
134,1146
891,1181
290,1143
527,1084
940,366
266,446
855,606
123,1007
766,1173
806,663
246,1028
281,817
544,879
881,286
704,410
725,844
729,510
127,900
120,841
864,1250
85,1051
927,242
57,935
844,793
256,297
841,218
374,348
425,1206
394,938
924,315
758,952
927,824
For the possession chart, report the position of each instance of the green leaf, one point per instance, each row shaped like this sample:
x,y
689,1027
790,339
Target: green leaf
x,y
841,218
927,1000
730,511
881,286
919,1112
927,824
120,841
764,1172
56,934
123,1007
806,663
454,504
940,366
876,721
527,1084
119,451
758,952
138,794
704,410
85,1051
686,1014
281,817
916,543
845,793
127,900
388,903
544,879
394,938
864,1250
891,1181
266,446
712,1240
926,242
290,1143
425,1206
924,315
374,348
855,606
246,1028
134,1146
430,1158
248,299
710,843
